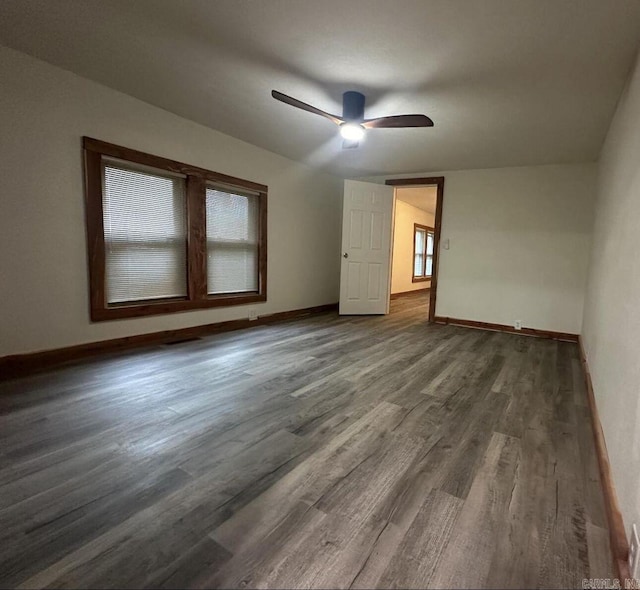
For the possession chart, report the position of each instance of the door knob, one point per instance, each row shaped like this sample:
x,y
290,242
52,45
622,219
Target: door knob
x,y
345,255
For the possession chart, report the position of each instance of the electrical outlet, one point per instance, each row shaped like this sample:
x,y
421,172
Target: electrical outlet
x,y
517,324
253,315
634,554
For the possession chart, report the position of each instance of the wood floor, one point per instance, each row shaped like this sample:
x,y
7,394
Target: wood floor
x,y
327,452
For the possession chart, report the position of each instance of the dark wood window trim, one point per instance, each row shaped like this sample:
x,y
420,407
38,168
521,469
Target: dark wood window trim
x,y
197,178
423,277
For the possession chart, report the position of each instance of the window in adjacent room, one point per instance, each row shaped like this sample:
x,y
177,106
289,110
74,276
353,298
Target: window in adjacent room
x,y
422,252
166,237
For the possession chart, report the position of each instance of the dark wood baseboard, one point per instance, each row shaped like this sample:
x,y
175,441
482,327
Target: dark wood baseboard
x,y
617,534
510,329
22,364
408,293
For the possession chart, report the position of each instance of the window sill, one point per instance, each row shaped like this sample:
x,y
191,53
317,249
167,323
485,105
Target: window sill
x,y
135,310
420,279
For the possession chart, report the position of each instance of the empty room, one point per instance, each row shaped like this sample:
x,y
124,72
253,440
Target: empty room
x,y
330,294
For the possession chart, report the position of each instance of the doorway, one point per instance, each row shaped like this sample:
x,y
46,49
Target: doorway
x,y
415,243
367,224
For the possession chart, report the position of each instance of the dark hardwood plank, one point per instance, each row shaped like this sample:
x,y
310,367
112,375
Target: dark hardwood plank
x,y
465,561
416,558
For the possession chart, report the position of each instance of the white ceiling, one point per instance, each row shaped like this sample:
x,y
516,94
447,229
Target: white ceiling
x,y
507,82
423,197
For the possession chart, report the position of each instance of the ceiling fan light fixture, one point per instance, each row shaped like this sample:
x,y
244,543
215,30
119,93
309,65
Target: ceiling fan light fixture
x,y
352,123
352,131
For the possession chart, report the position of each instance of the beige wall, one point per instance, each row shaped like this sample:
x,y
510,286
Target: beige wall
x,y
44,111
612,311
402,265
519,244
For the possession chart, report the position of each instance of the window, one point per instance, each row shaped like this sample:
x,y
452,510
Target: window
x,y
423,244
164,236
232,242
145,234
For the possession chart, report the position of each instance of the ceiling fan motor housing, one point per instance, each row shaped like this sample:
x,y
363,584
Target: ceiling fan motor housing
x,y
353,106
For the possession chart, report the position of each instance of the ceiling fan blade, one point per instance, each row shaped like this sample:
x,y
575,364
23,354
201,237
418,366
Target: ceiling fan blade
x,y
398,121
294,102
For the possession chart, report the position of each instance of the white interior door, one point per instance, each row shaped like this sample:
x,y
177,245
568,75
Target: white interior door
x,y
366,248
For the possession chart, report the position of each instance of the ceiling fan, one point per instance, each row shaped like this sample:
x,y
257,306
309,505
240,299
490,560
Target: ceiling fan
x,y
352,122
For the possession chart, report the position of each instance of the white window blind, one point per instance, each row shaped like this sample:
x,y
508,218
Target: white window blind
x,y
429,267
423,259
145,233
232,242
418,263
